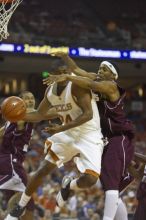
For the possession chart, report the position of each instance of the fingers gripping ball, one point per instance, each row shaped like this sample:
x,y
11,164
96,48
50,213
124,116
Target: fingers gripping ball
x,y
13,109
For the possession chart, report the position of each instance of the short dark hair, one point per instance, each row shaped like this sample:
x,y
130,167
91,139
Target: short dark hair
x,y
56,64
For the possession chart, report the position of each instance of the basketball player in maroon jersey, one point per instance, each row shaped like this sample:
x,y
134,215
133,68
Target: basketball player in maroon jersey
x,y
115,126
15,139
14,143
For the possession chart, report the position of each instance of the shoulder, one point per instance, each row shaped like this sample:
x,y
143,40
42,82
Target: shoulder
x,y
111,86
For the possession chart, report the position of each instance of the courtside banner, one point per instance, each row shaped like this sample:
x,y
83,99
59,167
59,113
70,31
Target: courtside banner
x,y
74,52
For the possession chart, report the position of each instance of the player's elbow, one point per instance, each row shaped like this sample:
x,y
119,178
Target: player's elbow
x,y
88,115
43,116
89,84
74,70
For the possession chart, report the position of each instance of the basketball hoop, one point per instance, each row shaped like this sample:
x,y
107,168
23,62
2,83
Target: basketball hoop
x,y
7,8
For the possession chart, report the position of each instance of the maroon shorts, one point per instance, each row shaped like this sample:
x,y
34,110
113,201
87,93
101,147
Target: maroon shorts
x,y
7,168
117,156
9,165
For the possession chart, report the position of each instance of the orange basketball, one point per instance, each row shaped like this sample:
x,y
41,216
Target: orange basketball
x,y
13,109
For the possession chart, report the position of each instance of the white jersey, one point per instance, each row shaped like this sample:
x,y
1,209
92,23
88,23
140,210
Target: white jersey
x,y
67,107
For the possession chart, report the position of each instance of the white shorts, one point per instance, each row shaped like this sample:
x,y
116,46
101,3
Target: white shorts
x,y
64,146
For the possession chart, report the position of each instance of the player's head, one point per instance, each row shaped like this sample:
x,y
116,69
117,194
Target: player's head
x,y
59,67
63,69
29,100
108,71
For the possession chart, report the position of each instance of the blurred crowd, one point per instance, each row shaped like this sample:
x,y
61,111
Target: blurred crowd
x,y
88,204
80,23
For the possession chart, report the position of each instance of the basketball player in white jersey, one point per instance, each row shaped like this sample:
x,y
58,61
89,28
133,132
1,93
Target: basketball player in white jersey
x,y
80,134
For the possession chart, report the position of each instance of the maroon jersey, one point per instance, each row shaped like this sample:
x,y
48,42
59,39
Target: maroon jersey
x,y
16,142
113,119
120,149
13,148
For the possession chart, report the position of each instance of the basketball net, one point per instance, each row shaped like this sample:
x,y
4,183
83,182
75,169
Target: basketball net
x,y
7,8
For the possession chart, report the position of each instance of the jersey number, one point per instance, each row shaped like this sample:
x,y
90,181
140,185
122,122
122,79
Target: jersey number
x,y
66,120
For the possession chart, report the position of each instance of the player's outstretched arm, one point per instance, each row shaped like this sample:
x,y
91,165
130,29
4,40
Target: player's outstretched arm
x,y
40,114
43,112
83,82
105,87
73,66
108,88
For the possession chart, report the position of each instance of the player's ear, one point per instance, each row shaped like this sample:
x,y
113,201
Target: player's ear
x,y
113,77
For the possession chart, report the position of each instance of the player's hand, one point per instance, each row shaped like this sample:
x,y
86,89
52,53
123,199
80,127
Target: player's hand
x,y
52,130
50,80
58,54
55,78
